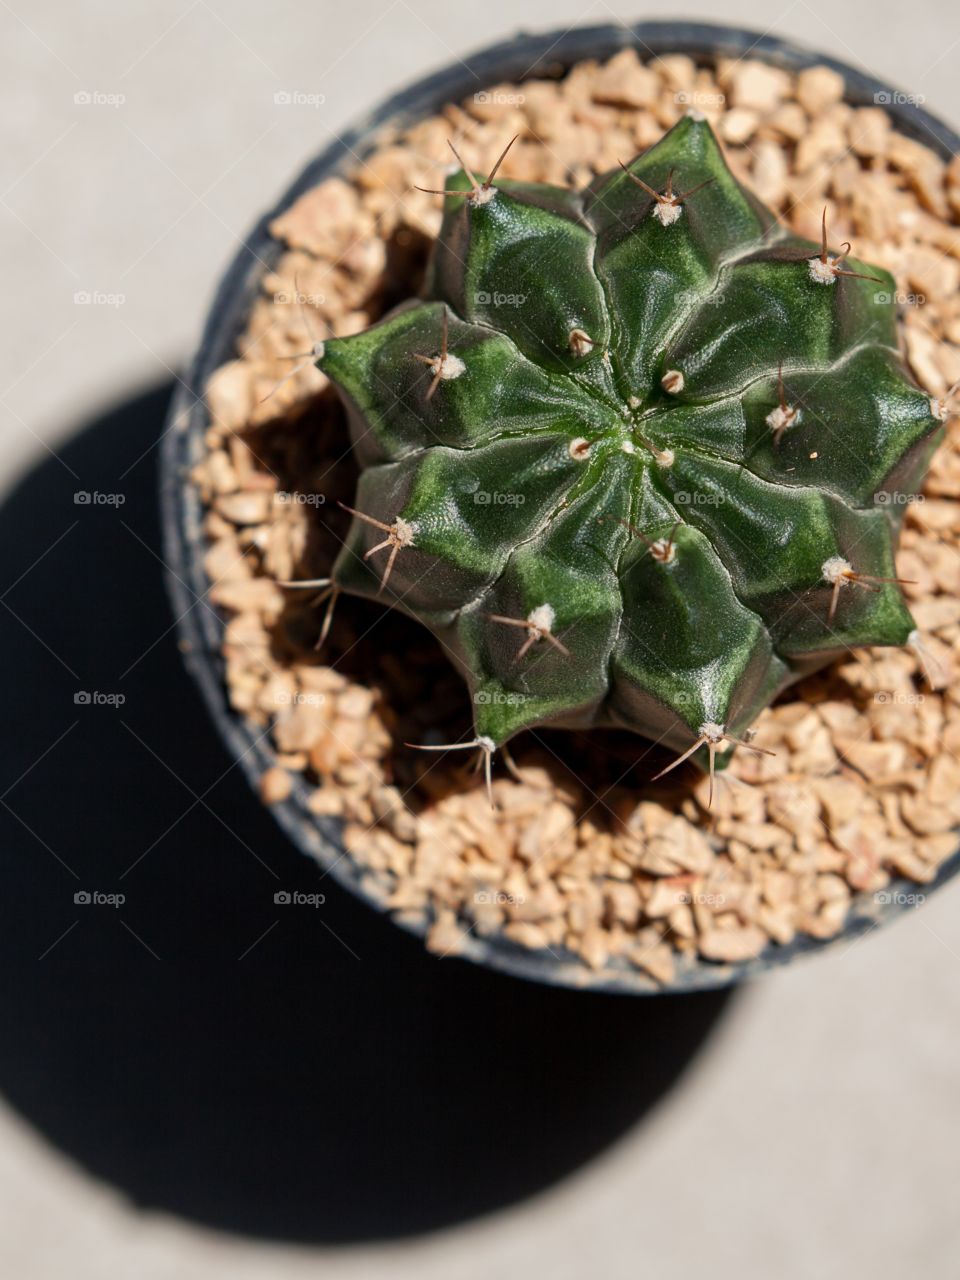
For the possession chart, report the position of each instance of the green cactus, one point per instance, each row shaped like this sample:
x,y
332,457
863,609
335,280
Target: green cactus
x,y
628,457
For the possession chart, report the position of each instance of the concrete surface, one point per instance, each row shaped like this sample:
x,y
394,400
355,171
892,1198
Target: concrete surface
x,y
816,1132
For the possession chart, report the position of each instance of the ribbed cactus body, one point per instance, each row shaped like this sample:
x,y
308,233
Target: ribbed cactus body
x,y
624,458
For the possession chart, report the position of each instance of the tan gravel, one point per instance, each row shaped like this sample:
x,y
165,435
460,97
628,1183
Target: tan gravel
x,y
583,854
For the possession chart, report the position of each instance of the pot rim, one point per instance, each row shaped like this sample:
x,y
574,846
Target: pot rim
x,y
200,629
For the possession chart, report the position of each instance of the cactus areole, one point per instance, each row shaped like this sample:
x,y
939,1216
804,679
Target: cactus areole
x,y
639,457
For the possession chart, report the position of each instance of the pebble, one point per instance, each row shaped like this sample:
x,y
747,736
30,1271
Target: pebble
x,y
625,82
758,86
276,785
817,88
732,945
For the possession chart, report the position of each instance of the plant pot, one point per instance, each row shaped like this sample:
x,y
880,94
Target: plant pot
x,y
201,631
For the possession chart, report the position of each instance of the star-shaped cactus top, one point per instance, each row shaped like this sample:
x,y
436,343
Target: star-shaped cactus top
x,y
627,457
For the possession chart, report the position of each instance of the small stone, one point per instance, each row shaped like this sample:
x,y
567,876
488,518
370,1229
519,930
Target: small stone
x,y
322,221
356,703
841,799
230,395
790,121
654,956
594,947
680,72
823,143
445,936
932,275
758,86
625,82
325,802
527,935
769,173
276,785
738,125
818,88
926,818
869,132
922,355
732,946
778,923
245,508
943,781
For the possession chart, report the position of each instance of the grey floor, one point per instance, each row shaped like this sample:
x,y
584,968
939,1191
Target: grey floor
x,y
815,1128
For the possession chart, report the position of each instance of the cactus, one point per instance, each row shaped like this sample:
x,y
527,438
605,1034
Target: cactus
x,y
628,457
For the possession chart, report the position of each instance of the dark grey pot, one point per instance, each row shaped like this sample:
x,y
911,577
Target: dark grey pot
x,y
201,631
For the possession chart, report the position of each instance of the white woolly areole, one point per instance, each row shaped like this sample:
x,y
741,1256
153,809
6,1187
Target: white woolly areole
x,y
451,367
665,457
693,114
403,532
822,272
713,732
780,418
836,569
542,618
319,350
486,744
939,410
628,447
579,449
580,342
672,382
666,212
664,551
482,195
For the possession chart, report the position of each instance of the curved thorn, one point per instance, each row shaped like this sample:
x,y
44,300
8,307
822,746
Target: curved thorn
x,y
640,182
699,187
469,172
493,171
680,759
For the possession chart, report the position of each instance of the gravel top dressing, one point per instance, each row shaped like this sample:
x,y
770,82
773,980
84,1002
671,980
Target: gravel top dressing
x,y
583,855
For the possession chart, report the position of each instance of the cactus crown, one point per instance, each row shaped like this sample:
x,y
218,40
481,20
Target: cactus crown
x,y
624,458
